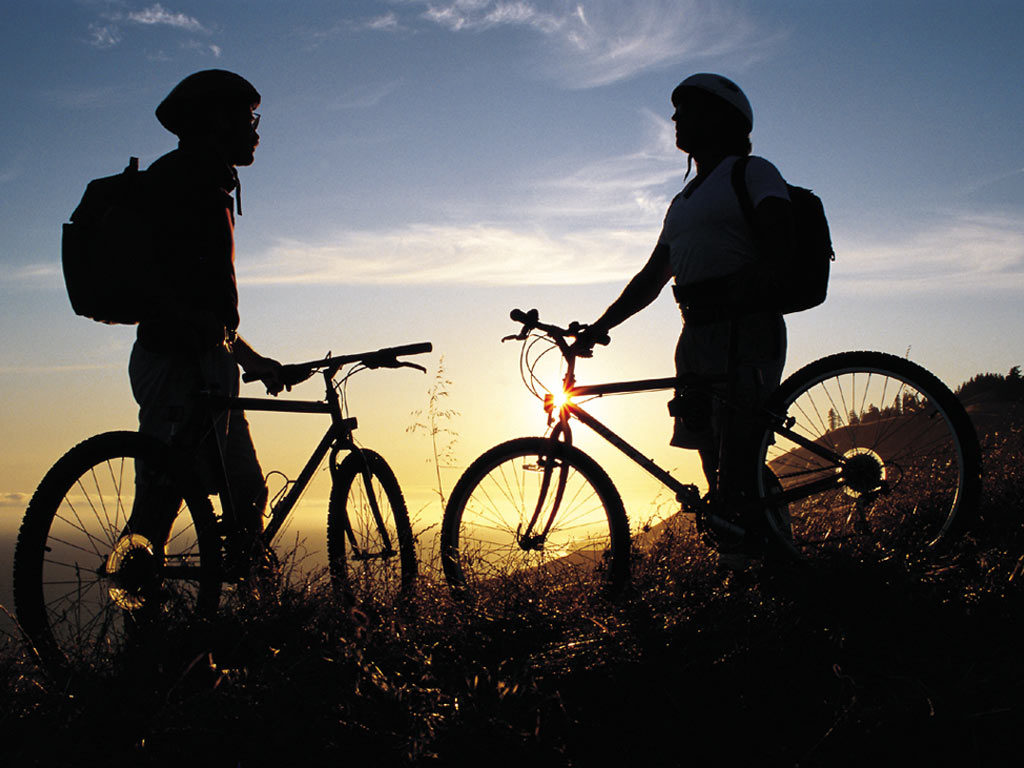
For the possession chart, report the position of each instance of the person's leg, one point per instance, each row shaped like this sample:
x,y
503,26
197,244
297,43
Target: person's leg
x,y
246,483
162,386
760,357
246,492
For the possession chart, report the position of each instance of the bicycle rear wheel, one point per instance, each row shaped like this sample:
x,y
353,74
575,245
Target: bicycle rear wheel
x,y
94,571
370,544
901,468
486,535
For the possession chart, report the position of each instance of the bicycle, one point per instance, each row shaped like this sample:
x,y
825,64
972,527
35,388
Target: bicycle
x,y
92,572
860,450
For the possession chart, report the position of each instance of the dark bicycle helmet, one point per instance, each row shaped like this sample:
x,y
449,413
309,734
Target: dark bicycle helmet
x,y
720,87
200,91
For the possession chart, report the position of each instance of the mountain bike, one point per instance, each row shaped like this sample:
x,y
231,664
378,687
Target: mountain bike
x,y
857,451
93,571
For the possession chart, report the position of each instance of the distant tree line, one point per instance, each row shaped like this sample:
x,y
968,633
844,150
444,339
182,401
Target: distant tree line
x,y
993,386
901,405
984,386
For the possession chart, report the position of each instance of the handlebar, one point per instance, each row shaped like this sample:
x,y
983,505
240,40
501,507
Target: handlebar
x,y
531,321
381,358
574,342
293,373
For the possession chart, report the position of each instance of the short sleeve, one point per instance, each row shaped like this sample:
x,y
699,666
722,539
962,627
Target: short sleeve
x,y
764,180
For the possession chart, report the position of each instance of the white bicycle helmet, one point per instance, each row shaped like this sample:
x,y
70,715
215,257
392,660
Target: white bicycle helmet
x,y
721,87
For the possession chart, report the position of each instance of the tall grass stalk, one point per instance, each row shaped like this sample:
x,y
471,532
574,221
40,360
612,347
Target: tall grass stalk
x,y
435,421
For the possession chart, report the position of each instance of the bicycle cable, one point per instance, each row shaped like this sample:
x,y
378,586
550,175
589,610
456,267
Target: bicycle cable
x,y
341,387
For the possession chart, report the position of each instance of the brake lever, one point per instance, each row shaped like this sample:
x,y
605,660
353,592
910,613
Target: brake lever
x,y
521,336
391,362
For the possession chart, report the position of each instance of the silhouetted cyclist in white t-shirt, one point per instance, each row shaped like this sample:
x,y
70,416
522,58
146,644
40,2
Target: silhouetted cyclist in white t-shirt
x,y
724,277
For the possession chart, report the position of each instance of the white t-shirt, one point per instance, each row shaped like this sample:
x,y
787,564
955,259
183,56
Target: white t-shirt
x,y
706,232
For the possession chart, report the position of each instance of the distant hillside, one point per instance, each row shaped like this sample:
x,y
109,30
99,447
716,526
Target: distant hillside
x,y
994,401
993,386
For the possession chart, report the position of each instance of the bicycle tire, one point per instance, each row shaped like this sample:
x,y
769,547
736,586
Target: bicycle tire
x,y
910,478
374,573
496,496
88,582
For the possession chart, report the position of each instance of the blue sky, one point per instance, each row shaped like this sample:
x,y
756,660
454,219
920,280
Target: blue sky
x,y
426,166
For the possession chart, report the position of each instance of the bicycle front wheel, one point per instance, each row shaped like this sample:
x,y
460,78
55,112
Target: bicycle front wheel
x,y
96,569
370,544
535,510
893,466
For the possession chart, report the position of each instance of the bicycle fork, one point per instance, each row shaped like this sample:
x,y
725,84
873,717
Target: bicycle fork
x,y
528,540
387,550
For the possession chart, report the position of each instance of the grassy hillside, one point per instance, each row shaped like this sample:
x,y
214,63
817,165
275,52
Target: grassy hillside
x,y
847,663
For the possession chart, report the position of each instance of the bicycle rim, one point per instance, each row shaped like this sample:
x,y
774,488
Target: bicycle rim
x,y
907,474
369,538
89,582
487,538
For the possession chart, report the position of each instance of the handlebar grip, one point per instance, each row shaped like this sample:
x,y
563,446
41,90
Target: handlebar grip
x,y
407,349
526,318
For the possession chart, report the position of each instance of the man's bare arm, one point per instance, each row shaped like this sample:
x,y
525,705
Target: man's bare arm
x,y
264,368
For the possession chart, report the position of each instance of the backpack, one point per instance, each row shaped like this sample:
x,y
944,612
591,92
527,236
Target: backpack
x,y
805,279
107,249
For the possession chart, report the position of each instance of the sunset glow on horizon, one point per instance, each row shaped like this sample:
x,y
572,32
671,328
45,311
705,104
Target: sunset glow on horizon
x,y
427,166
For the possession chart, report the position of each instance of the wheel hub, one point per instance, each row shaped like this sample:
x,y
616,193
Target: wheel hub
x,y
529,542
132,569
863,472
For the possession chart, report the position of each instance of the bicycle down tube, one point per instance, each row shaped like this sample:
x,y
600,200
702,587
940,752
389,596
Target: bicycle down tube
x,y
338,432
682,489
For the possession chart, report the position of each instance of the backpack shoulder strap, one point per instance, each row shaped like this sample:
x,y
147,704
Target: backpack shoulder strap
x,y
739,185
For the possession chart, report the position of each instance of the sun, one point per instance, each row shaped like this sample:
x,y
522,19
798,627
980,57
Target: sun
x,y
560,398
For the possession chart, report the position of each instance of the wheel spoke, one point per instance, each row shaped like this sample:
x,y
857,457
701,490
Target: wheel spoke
x,y
910,460
76,530
484,536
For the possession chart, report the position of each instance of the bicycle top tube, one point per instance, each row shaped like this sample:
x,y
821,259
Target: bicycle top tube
x,y
643,385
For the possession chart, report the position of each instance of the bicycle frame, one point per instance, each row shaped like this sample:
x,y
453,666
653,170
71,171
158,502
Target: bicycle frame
x,y
686,493
338,437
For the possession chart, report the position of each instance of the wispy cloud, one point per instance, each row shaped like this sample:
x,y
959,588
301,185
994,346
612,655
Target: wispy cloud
x,y
470,15
14,499
472,254
386,23
967,253
157,15
203,47
633,187
108,32
29,272
104,35
613,41
363,95
598,42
